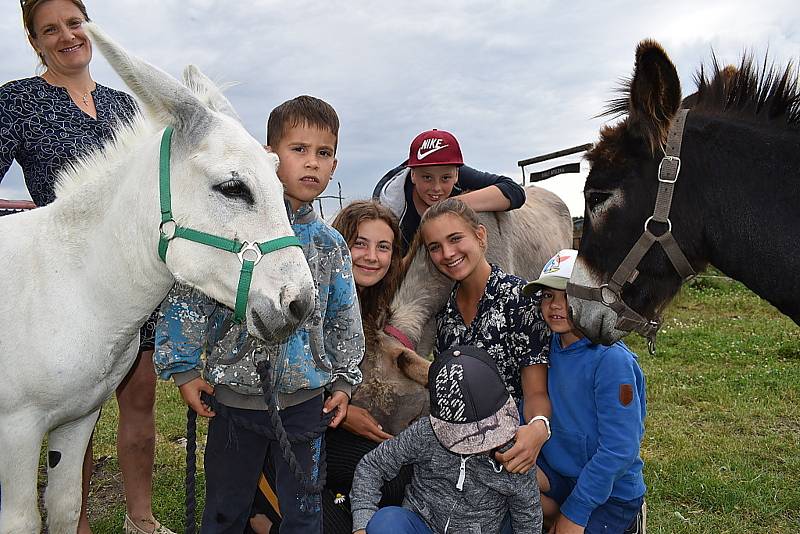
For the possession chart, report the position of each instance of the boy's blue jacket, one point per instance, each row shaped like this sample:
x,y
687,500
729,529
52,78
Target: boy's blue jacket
x,y
598,397
324,351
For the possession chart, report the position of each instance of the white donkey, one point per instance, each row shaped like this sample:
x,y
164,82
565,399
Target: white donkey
x,y
82,274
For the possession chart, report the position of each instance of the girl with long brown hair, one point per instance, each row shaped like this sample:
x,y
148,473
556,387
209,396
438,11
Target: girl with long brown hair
x,y
371,232
374,238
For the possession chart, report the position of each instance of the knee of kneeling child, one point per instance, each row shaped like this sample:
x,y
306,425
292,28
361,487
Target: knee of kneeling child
x,y
391,519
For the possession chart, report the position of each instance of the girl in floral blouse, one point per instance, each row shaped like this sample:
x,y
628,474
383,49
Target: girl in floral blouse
x,y
487,309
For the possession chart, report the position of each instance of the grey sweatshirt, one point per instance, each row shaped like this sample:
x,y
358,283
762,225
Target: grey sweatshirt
x,y
434,494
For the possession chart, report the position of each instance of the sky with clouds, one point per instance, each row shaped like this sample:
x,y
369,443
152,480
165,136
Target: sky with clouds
x,y
511,79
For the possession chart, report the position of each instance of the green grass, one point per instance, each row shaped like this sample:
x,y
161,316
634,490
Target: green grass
x,y
723,430
107,502
722,447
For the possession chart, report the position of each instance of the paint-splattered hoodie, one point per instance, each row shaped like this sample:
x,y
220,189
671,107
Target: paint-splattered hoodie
x,y
324,352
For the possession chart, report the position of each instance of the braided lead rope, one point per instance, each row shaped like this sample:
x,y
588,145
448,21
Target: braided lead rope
x,y
191,470
265,372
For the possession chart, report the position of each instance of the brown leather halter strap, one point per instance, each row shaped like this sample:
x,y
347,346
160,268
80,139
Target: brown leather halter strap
x,y
610,293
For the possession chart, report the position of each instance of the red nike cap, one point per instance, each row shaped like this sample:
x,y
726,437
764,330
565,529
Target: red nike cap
x,y
434,147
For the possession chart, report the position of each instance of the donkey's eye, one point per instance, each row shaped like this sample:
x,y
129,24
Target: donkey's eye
x,y
594,198
235,189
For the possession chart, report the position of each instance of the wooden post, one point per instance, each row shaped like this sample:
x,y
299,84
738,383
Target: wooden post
x,y
552,155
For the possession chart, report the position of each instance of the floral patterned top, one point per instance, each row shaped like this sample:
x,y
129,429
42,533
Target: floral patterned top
x,y
508,325
43,129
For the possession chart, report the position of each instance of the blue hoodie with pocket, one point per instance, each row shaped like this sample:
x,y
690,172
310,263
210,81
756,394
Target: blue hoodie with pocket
x,y
597,394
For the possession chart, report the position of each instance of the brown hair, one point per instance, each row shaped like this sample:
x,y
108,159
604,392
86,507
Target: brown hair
x,y
303,109
29,11
374,300
452,206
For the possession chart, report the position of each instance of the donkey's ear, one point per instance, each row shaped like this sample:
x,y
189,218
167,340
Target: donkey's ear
x,y
163,97
208,92
655,94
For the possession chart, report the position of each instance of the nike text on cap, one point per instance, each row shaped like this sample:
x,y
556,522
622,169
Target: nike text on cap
x,y
434,147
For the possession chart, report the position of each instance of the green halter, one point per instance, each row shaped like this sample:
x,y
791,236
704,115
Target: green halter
x,y
249,253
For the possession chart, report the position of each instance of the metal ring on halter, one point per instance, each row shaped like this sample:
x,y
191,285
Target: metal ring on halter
x,y
603,295
168,228
677,171
250,247
647,222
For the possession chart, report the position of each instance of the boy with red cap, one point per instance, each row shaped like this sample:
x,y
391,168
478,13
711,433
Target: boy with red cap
x,y
434,171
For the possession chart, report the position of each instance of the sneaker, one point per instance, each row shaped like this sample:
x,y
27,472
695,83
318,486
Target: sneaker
x,y
639,525
129,527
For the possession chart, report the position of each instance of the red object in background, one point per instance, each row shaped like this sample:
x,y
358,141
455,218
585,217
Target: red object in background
x,y
14,206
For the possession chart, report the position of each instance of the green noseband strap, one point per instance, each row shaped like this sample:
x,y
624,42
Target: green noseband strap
x,y
249,253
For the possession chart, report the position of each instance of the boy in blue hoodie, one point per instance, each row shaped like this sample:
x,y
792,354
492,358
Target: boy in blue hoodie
x,y
321,355
590,472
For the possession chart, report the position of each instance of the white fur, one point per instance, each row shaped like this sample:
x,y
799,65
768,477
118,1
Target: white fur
x,y
81,275
598,212
595,317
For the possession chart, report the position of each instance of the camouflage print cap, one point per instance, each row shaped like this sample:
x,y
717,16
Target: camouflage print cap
x,y
471,409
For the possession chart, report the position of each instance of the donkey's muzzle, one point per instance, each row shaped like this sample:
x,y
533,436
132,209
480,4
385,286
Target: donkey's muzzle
x,y
272,321
297,303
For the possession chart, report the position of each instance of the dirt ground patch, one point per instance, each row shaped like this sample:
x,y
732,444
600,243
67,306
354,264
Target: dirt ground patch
x,y
105,493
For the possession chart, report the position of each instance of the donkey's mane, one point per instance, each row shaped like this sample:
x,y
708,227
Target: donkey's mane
x,y
766,94
97,164
762,93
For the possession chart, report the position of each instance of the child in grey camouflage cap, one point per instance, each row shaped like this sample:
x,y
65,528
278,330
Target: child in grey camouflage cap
x,y
457,486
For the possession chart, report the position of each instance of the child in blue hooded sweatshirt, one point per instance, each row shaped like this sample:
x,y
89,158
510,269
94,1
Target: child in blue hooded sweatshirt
x,y
590,471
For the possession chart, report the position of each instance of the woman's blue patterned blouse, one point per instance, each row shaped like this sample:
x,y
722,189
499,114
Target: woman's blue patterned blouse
x,y
43,129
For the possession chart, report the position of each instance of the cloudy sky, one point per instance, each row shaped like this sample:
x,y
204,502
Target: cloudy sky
x,y
511,79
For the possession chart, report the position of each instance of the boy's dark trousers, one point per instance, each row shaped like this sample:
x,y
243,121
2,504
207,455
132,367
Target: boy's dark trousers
x,y
235,458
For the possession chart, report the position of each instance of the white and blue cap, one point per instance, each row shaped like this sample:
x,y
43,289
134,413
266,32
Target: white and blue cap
x,y
555,273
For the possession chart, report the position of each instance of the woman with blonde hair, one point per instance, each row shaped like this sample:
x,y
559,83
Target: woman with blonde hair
x,y
487,309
